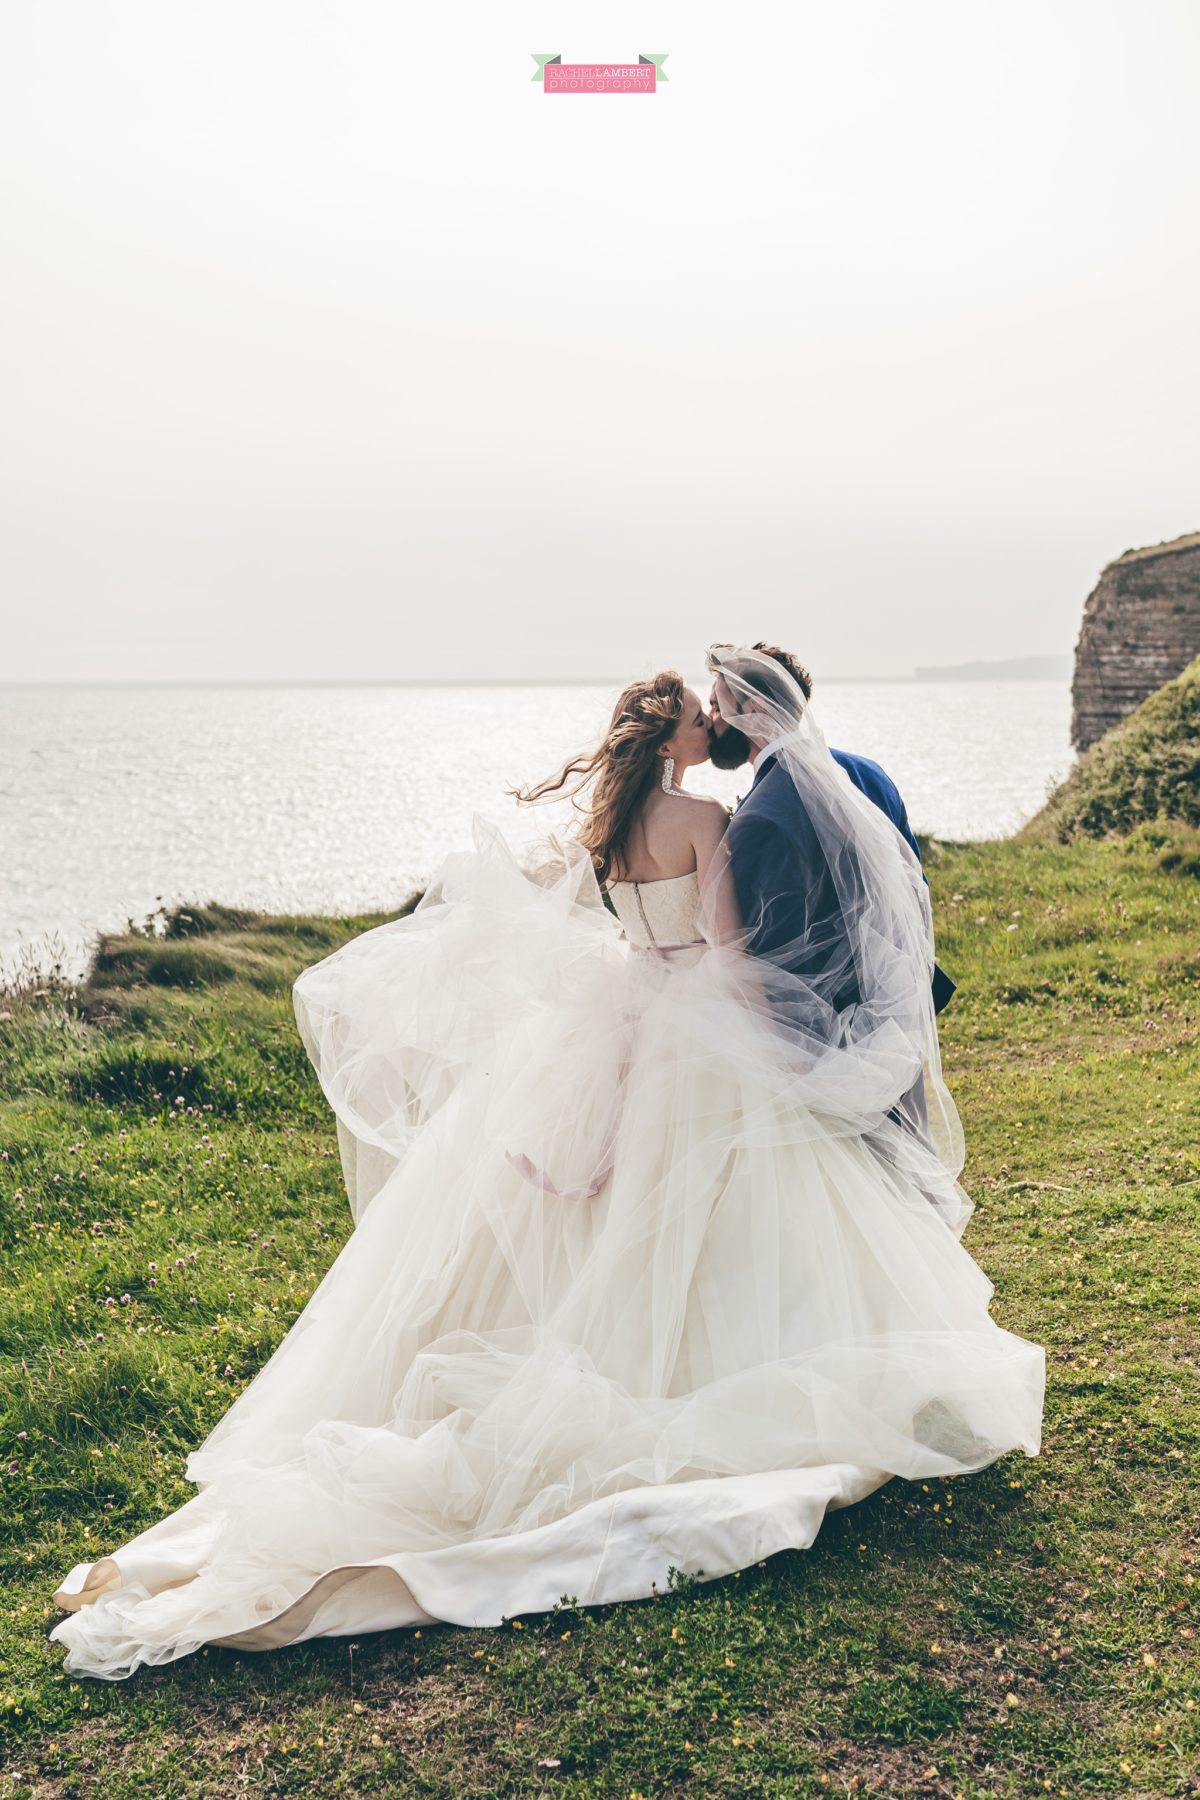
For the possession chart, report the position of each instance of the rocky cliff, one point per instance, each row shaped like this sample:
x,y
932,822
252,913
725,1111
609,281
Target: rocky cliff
x,y
1141,627
1146,770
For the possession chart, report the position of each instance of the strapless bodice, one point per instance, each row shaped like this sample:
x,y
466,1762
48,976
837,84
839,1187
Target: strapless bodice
x,y
658,914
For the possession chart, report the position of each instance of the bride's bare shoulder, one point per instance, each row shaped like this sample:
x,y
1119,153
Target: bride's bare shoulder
x,y
705,820
712,812
673,834
687,812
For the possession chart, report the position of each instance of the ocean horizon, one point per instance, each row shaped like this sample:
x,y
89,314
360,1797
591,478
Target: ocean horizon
x,y
344,797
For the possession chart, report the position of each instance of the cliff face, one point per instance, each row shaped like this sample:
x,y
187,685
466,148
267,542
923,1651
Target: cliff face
x,y
1141,627
1146,770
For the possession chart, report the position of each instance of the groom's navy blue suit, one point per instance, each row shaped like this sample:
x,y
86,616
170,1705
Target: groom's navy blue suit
x,y
878,786
784,884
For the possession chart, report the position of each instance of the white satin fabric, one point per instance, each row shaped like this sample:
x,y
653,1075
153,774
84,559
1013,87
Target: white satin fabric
x,y
623,1296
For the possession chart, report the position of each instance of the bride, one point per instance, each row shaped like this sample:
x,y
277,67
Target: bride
x,y
656,1255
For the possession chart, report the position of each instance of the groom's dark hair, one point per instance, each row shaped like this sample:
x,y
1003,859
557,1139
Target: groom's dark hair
x,y
786,660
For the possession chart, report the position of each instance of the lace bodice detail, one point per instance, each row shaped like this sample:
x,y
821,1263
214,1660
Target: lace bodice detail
x,y
656,914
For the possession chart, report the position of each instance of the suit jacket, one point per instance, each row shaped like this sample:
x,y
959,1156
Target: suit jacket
x,y
783,880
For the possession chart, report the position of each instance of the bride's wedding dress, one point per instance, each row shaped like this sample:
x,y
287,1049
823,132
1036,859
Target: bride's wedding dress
x,y
625,1294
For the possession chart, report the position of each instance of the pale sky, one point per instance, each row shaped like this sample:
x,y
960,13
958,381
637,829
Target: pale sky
x,y
332,347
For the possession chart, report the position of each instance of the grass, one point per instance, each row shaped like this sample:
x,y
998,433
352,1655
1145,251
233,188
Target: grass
x,y
170,1194
1145,770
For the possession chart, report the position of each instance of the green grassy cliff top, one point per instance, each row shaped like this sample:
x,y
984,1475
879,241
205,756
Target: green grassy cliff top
x,y
1143,770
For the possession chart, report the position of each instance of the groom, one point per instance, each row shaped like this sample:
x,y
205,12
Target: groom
x,y
772,820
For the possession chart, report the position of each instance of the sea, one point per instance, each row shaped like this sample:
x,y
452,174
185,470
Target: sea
x,y
116,800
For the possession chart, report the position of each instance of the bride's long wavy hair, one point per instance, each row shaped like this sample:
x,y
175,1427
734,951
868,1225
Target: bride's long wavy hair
x,y
620,772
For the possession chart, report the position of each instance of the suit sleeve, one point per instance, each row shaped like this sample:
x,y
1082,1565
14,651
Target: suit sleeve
x,y
907,830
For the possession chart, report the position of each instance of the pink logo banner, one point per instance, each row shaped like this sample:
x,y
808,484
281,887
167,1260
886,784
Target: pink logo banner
x,y
640,77
600,78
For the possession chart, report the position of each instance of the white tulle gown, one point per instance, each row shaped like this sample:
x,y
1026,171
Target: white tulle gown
x,y
618,1300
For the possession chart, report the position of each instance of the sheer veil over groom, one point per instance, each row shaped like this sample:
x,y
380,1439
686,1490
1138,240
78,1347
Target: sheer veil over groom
x,y
774,830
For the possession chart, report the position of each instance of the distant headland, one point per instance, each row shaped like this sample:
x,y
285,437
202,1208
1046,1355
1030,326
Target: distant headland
x,y
1012,668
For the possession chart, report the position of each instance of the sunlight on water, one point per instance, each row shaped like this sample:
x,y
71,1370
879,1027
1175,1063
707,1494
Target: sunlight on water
x,y
338,799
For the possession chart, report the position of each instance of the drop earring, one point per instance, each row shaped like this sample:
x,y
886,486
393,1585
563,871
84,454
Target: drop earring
x,y
668,779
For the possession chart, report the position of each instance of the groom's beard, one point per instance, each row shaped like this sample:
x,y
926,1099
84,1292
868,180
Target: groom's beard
x,y
730,748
